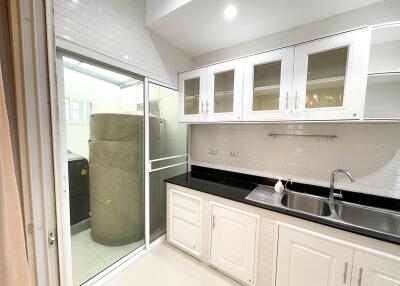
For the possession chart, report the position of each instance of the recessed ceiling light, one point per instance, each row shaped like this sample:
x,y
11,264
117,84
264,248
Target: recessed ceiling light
x,y
230,12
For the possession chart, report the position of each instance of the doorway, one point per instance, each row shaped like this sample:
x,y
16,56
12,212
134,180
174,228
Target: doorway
x,y
120,138
104,132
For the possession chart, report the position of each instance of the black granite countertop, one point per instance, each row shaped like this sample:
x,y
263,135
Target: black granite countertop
x,y
237,186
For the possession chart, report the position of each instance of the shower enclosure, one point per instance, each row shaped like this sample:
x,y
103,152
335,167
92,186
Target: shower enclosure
x,y
121,138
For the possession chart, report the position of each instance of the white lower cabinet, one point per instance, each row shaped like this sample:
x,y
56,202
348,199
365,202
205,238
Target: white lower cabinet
x,y
301,258
234,242
308,260
185,222
375,270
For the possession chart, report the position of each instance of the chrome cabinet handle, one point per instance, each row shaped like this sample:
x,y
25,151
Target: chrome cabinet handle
x,y
213,222
287,100
295,101
360,276
346,265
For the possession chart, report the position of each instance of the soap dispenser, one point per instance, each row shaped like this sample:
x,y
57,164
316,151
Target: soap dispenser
x,y
279,188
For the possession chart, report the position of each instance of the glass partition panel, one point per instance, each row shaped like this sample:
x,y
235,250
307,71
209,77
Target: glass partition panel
x,y
167,138
325,78
267,79
105,135
223,91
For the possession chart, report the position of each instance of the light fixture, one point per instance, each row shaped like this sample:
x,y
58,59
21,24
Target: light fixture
x,y
230,12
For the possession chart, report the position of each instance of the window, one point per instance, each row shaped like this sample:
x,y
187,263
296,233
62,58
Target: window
x,y
78,111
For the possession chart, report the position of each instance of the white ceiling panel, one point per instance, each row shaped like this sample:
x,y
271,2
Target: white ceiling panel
x,y
199,27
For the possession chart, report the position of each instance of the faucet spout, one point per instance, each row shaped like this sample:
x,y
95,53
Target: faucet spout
x,y
332,183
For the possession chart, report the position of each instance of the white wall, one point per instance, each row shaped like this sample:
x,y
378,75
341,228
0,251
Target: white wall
x,y
117,30
371,152
385,11
106,98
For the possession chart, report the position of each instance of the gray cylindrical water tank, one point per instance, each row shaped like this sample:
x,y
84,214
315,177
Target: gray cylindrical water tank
x,y
116,178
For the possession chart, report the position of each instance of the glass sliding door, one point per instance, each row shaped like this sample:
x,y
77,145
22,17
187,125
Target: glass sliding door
x,y
167,151
104,127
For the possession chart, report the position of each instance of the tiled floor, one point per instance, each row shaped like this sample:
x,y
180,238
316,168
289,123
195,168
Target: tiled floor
x,y
89,257
165,265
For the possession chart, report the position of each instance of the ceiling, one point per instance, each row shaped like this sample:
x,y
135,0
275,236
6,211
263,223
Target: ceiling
x,y
198,27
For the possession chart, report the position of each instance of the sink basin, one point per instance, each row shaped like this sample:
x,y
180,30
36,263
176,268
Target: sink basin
x,y
307,204
371,218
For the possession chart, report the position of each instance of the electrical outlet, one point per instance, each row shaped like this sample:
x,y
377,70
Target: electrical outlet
x,y
234,154
213,151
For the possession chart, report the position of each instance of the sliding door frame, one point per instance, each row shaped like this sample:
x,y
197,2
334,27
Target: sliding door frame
x,y
148,162
61,173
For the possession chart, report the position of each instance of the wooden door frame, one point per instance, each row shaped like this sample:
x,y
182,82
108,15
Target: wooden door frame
x,y
32,45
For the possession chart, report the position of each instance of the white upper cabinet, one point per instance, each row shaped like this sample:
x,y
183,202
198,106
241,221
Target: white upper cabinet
x,y
225,91
382,100
268,81
330,77
192,95
321,80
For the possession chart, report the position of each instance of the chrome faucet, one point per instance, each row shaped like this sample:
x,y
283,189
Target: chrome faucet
x,y
332,194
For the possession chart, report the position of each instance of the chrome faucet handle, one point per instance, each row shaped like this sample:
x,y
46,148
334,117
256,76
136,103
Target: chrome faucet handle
x,y
287,181
338,195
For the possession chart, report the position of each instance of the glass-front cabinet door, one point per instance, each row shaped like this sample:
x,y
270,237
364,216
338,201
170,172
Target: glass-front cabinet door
x,y
330,77
192,95
268,81
224,91
382,100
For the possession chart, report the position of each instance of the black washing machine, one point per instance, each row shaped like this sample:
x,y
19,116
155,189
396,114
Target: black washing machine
x,y
78,172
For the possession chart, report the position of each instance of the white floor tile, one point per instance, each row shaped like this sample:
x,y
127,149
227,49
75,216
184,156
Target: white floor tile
x,y
166,265
89,258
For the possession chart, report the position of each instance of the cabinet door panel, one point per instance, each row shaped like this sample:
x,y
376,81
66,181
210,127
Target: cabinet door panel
x,y
268,85
224,91
233,242
330,77
308,260
192,95
185,222
375,270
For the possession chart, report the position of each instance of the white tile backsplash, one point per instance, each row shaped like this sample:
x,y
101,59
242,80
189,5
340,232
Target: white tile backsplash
x,y
371,152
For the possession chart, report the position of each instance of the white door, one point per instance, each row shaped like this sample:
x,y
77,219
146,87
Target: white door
x,y
185,222
268,79
311,260
192,95
224,91
234,242
375,270
330,77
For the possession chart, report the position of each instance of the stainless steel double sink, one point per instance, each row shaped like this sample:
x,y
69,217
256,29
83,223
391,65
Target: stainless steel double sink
x,y
368,217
